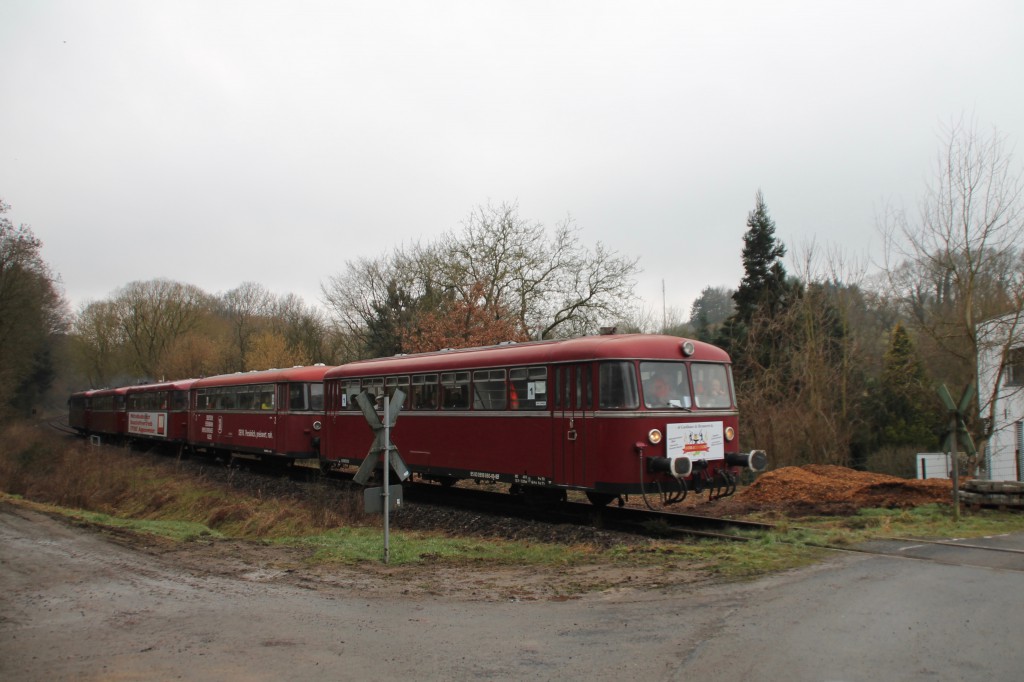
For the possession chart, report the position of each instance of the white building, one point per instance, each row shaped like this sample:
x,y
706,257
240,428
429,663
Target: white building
x,y
1001,386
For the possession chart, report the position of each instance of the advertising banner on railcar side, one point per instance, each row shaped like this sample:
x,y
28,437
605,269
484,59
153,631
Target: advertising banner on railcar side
x,y
151,424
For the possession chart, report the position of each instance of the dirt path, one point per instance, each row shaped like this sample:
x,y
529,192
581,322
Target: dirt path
x,y
78,604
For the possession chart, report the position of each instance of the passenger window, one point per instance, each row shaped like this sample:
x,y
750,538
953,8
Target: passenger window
x,y
348,397
266,397
424,392
375,389
393,384
489,389
455,391
528,388
247,398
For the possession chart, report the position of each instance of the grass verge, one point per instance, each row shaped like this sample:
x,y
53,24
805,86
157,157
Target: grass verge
x,y
117,488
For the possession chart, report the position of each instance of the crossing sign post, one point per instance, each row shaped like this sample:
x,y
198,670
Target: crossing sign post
x,y
388,496
956,436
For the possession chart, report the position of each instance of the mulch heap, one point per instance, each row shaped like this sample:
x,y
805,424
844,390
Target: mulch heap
x,y
829,489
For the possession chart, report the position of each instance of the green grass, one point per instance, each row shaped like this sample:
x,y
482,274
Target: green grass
x,y
148,495
354,545
180,531
928,521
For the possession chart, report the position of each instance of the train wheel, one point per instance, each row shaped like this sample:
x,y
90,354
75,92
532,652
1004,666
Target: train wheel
x,y
600,499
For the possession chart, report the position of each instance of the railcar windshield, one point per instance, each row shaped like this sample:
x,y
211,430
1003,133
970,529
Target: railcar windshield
x,y
711,386
666,385
617,386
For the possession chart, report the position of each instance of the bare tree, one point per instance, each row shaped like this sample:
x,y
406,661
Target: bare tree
x,y
555,286
499,264
248,307
153,315
958,262
98,343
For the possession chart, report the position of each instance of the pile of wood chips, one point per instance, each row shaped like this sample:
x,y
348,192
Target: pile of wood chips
x,y
830,489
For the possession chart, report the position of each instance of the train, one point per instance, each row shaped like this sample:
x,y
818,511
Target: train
x,y
609,416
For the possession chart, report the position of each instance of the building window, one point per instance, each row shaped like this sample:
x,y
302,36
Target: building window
x,y
1015,367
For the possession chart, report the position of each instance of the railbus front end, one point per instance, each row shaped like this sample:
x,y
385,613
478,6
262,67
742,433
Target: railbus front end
x,y
108,417
607,415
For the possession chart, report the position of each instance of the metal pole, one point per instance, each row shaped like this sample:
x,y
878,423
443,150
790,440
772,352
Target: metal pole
x,y
953,446
387,475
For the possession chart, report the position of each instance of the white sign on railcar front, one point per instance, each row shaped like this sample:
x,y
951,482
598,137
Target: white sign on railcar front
x,y
148,424
700,440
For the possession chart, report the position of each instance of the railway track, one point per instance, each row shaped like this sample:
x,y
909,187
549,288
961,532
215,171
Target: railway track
x,y
636,521
622,519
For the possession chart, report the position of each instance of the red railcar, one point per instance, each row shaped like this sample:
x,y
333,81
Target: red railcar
x,y
78,411
107,415
159,412
608,415
274,413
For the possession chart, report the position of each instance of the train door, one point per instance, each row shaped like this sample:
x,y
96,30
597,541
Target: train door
x,y
574,399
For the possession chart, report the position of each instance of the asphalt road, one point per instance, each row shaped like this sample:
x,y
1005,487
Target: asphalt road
x,y
74,606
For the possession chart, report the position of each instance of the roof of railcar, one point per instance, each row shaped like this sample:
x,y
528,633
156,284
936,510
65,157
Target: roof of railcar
x,y
269,376
182,385
607,347
119,390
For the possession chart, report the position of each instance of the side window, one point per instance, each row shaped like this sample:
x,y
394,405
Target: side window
x,y
424,392
616,386
350,389
489,389
246,398
297,396
392,384
266,397
455,391
375,388
316,397
179,400
528,388
584,388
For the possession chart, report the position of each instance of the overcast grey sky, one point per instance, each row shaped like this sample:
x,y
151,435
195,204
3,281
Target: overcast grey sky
x,y
219,142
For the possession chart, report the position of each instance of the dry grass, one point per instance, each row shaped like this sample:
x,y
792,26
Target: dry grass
x,y
45,467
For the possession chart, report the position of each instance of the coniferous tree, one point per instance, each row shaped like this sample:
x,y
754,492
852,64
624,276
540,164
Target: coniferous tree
x,y
906,406
709,311
763,289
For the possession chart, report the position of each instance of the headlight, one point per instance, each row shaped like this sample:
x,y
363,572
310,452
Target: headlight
x,y
730,433
316,425
688,348
654,436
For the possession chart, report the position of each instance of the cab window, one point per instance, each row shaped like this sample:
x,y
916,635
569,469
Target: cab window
x,y
711,386
665,385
